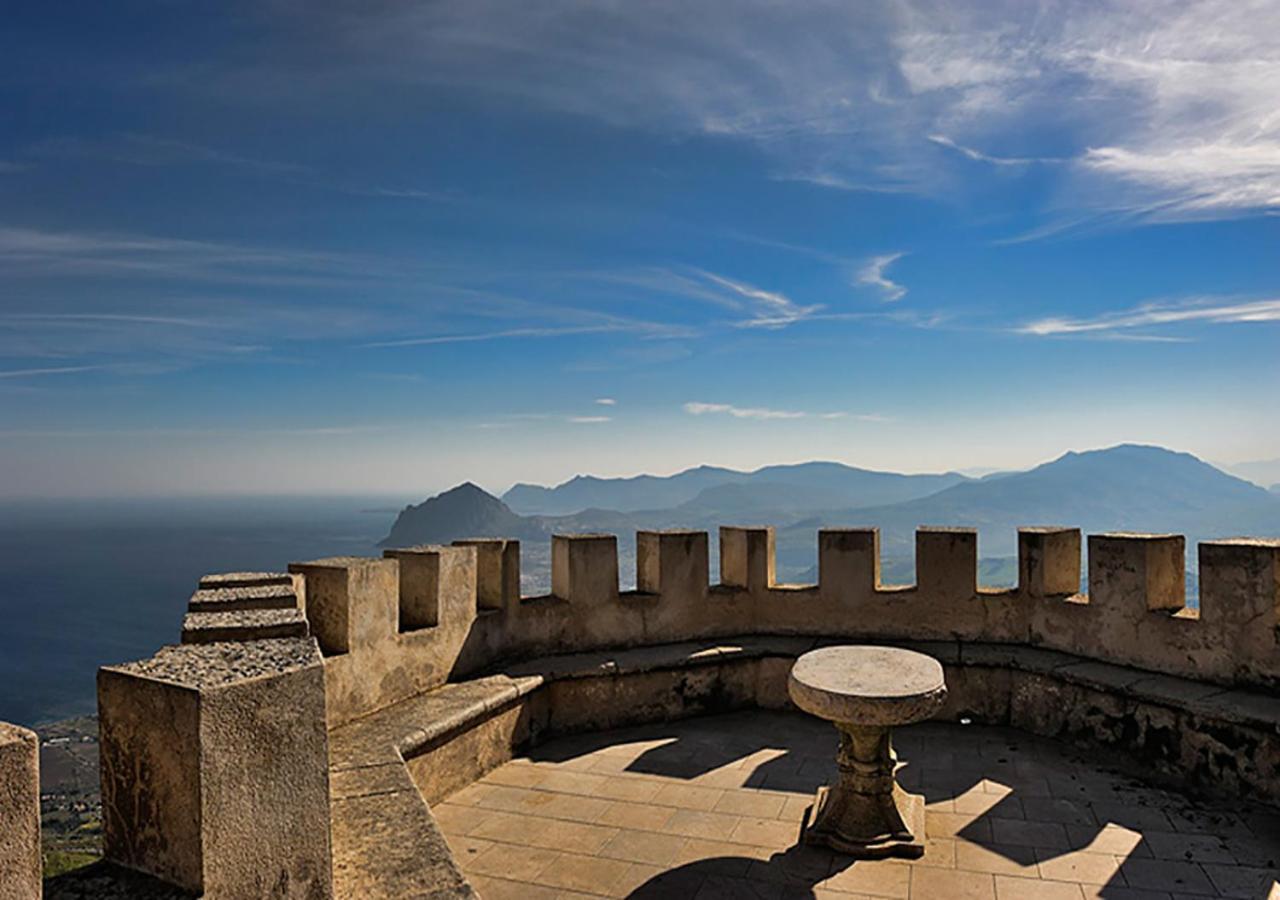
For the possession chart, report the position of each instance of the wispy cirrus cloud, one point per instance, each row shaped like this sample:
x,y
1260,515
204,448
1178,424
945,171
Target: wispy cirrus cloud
x,y
1208,311
978,156
606,401
49,370
872,274
766,309
699,408
1164,108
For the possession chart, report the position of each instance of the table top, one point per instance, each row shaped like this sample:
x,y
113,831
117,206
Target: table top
x,y
867,685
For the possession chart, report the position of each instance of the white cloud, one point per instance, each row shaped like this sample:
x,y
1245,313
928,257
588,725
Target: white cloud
x,y
872,275
1166,106
978,156
55,370
739,412
1155,314
606,401
695,408
766,309
589,420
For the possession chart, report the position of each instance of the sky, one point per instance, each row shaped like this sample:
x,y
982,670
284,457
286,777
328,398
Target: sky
x,y
344,248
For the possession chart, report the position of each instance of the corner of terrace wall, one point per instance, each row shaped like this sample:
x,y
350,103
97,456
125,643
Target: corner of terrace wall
x,y
19,814
214,768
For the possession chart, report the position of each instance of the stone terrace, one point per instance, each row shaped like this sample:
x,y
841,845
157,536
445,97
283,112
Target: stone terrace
x,y
711,807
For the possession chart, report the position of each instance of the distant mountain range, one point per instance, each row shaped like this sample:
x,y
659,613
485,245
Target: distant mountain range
x,y
793,486
1128,487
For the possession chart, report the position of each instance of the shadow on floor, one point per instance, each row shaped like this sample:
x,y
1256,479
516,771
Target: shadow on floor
x,y
1030,783
104,881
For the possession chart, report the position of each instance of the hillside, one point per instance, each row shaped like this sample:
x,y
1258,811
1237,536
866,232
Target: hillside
x,y
707,488
464,511
1128,487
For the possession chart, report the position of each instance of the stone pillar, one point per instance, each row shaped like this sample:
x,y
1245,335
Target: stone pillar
x,y
1049,561
672,563
584,568
1135,573
352,601
848,562
947,562
747,558
19,814
1240,599
497,572
214,764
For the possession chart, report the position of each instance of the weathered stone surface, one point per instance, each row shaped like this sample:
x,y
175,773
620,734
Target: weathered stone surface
x,y
868,685
19,813
227,599
243,625
214,774
245,579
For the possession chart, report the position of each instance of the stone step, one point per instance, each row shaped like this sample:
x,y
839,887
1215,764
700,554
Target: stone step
x,y
242,625
244,579
230,599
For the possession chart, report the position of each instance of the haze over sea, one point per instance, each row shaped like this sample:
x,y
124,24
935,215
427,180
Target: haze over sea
x,y
92,582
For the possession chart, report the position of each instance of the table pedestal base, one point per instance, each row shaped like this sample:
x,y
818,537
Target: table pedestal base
x,y
866,814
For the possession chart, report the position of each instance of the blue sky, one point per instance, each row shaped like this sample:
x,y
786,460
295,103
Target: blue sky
x,y
385,247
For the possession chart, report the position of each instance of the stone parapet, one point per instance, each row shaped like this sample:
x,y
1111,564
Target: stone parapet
x,y
19,813
214,768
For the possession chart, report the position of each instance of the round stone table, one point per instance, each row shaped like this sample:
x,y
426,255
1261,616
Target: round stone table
x,y
865,691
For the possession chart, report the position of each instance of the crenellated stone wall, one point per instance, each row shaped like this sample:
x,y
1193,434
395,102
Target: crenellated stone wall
x,y
217,753
423,616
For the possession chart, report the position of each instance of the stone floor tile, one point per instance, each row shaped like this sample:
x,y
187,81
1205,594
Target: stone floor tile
x,y
1078,866
771,833
946,884
465,849
1009,887
723,887
695,823
573,807
685,796
637,816
593,874
1166,875
720,857
976,802
996,859
636,877
751,803
567,782
575,837
870,877
457,819
1056,809
1116,839
516,776
513,862
972,828
939,853
647,847
635,790
1112,892
502,889
1191,847
1139,818
1050,835
1244,881
796,808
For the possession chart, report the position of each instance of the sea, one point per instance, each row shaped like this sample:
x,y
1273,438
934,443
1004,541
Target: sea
x,y
85,583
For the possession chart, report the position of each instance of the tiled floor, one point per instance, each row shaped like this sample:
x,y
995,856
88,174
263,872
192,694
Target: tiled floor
x,y
711,808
